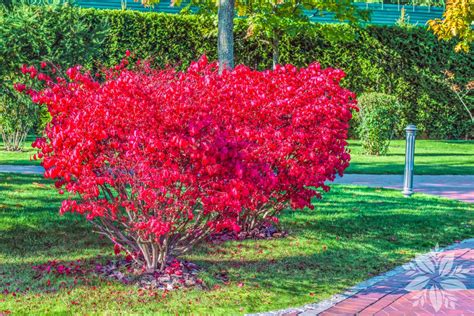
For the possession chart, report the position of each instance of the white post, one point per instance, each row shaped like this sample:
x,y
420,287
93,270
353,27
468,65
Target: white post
x,y
409,160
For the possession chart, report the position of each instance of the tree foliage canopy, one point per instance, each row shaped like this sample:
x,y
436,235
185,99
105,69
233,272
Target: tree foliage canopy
x,y
457,22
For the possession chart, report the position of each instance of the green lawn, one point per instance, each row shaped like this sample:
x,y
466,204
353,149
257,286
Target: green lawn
x,y
353,234
431,157
19,157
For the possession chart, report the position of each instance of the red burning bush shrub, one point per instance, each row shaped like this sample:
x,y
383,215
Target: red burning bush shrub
x,y
159,159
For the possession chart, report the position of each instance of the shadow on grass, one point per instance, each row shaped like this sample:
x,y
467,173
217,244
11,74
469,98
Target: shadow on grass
x,y
298,275
354,233
21,179
292,275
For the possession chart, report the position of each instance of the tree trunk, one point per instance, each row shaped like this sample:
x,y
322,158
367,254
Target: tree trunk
x,y
14,141
276,50
225,34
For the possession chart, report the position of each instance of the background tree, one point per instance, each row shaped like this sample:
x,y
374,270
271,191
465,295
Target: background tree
x,y
457,22
225,28
17,116
31,34
462,91
225,34
270,19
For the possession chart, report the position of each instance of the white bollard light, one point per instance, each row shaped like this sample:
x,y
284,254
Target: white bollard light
x,y
409,160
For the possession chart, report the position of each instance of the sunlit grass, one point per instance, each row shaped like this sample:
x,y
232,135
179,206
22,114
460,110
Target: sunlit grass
x,y
22,157
353,234
434,157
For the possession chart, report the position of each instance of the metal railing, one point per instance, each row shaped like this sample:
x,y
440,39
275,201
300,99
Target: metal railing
x,y
422,3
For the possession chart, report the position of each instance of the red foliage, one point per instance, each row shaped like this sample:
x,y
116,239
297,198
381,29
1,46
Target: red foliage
x,y
162,158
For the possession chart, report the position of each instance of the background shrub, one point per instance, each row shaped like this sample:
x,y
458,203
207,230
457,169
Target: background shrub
x,y
378,115
30,35
17,116
403,62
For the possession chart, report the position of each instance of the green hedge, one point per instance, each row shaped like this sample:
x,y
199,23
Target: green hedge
x,y
404,62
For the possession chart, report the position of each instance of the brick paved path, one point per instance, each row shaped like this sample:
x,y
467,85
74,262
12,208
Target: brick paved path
x,y
434,284
437,283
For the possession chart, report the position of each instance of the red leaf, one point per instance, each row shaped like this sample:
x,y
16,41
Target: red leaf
x,y
149,151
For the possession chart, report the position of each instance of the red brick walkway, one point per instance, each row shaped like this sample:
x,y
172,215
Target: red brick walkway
x,y
440,283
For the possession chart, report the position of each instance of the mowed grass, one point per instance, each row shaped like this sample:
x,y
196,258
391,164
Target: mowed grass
x,y
22,157
435,157
353,234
